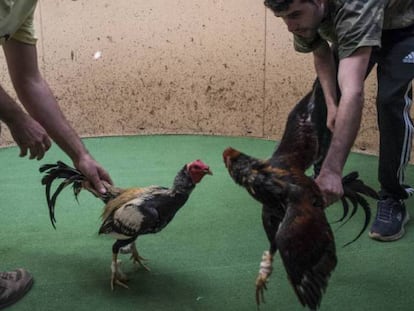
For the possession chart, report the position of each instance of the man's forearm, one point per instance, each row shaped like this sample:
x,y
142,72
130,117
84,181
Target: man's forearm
x,y
351,74
347,124
45,110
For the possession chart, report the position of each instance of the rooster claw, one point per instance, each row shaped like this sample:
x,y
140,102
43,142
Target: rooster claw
x,y
137,259
116,281
264,273
117,276
261,286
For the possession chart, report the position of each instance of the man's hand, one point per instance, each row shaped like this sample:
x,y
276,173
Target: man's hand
x,y
29,135
331,186
96,175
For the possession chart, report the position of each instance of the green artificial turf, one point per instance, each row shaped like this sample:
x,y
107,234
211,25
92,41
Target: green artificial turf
x,y
207,258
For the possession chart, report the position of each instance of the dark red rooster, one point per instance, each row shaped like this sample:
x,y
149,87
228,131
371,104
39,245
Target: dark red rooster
x,y
128,213
293,207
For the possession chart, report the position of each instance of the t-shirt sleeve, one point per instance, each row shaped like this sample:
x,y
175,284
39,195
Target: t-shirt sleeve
x,y
355,24
358,23
26,32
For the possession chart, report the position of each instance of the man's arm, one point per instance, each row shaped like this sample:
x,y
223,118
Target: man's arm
x,y
39,101
28,134
326,70
351,75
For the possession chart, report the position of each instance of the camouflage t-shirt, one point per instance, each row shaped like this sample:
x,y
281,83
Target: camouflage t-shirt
x,y
16,20
351,24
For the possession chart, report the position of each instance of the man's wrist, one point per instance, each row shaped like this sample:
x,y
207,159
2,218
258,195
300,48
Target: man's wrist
x,y
12,116
81,156
331,167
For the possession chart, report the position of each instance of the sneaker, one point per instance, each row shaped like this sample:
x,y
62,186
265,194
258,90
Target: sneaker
x,y
13,286
390,220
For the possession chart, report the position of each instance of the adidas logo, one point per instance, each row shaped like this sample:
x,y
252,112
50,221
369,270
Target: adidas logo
x,y
409,58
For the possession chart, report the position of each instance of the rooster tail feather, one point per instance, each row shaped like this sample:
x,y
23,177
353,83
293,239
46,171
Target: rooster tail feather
x,y
354,209
353,183
59,171
350,177
367,210
52,202
345,207
63,185
51,207
354,191
356,199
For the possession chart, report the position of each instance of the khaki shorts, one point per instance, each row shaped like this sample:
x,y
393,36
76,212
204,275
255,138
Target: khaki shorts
x,y
16,20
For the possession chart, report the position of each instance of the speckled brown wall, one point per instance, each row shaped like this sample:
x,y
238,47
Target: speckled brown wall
x,y
224,67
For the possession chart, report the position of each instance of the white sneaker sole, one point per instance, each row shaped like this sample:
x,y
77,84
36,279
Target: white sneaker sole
x,y
397,236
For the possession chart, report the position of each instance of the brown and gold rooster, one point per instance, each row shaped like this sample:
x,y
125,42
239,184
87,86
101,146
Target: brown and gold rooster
x,y
293,207
131,212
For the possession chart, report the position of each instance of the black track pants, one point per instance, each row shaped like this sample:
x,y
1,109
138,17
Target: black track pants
x,y
395,74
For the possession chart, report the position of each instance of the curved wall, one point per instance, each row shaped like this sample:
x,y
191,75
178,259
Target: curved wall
x,y
212,67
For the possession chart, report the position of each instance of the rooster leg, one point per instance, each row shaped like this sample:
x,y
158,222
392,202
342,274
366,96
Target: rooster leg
x,y
264,273
136,258
117,276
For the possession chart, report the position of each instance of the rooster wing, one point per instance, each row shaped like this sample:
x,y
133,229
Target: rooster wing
x,y
306,245
296,226
140,211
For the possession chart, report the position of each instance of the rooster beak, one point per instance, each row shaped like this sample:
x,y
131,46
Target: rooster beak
x,y
208,172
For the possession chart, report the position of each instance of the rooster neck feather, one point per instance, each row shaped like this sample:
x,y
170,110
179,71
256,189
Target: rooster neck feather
x,y
299,145
183,182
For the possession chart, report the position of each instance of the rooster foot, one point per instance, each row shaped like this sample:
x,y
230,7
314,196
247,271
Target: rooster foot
x,y
137,259
262,279
261,282
117,276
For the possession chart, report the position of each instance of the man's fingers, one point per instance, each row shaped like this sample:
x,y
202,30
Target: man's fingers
x,y
41,153
94,173
105,176
33,152
37,151
97,184
330,198
23,151
47,143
